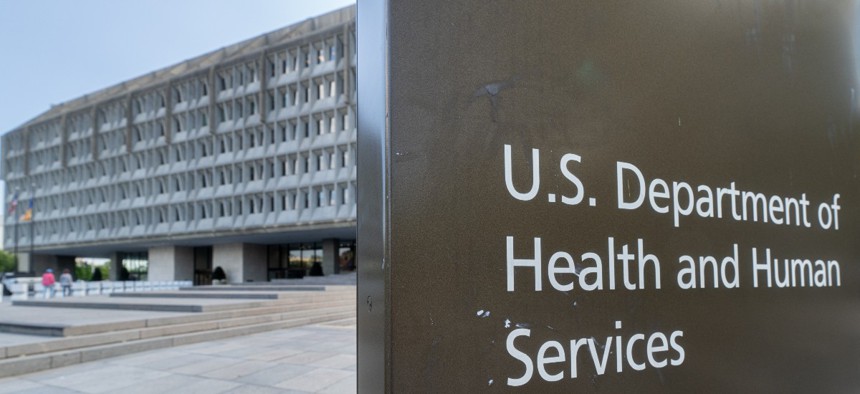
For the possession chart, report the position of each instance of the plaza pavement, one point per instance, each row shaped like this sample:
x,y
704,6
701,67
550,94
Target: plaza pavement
x,y
318,358
310,359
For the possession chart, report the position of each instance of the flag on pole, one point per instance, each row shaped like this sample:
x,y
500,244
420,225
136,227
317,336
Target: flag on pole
x,y
28,214
14,205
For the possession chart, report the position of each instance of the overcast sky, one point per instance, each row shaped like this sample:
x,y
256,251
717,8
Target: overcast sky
x,y
52,51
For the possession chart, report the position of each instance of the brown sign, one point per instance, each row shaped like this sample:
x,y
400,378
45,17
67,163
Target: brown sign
x,y
589,196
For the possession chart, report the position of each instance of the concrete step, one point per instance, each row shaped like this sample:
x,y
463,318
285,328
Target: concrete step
x,y
90,334
54,329
175,302
255,295
134,334
55,358
223,288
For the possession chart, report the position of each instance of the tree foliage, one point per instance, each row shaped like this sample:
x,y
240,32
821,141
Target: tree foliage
x,y
7,262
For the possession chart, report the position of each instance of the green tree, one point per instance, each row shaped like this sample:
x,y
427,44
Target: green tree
x,y
83,272
7,262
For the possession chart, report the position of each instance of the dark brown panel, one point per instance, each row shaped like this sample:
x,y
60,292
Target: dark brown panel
x,y
711,97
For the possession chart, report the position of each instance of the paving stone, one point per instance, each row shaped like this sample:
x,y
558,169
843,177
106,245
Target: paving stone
x,y
274,375
315,380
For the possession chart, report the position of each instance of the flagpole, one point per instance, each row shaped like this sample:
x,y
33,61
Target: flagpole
x,y
30,218
15,203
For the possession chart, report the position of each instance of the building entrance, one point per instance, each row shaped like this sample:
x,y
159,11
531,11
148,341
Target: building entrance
x,y
202,265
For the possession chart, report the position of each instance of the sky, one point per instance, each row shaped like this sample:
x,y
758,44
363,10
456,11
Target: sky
x,y
52,51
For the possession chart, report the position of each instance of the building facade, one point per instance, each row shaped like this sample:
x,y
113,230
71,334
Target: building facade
x,y
242,158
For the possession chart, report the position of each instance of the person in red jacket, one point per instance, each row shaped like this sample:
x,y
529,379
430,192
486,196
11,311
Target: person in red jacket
x,y
48,281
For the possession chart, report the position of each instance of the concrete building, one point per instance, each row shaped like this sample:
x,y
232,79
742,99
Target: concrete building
x,y
242,158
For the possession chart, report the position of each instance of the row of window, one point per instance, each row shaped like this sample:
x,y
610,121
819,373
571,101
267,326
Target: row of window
x,y
260,203
112,144
79,126
296,163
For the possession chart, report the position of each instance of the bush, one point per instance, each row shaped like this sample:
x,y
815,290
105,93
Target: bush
x,y
83,272
219,274
7,262
97,275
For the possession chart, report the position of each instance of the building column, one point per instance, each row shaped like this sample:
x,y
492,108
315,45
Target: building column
x,y
330,257
24,263
115,266
241,262
169,263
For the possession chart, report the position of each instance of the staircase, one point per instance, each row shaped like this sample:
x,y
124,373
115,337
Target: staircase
x,y
166,319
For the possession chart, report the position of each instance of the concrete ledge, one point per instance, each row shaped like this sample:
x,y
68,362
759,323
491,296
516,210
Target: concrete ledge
x,y
288,288
47,330
20,366
178,329
70,343
100,352
203,294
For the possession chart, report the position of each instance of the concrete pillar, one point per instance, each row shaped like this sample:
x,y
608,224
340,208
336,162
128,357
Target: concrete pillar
x,y
115,266
24,263
330,257
241,262
167,263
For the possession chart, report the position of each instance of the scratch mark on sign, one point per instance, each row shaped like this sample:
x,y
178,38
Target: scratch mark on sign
x,y
492,91
507,323
483,314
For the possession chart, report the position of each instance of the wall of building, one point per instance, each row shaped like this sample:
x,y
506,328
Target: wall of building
x,y
168,263
261,141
